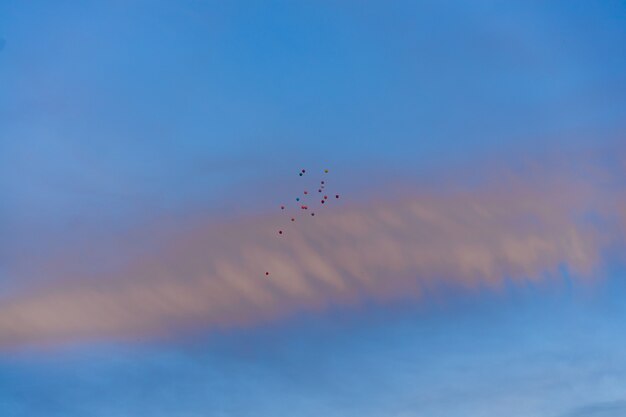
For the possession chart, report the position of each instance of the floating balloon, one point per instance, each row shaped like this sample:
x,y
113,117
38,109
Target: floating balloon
x,y
323,198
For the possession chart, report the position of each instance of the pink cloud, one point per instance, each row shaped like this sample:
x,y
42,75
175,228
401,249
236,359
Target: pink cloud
x,y
213,275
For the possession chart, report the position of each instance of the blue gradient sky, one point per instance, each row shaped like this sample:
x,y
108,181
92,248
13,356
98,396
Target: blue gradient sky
x,y
116,114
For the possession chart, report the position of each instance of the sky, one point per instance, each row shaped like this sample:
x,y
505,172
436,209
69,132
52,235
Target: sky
x,y
474,264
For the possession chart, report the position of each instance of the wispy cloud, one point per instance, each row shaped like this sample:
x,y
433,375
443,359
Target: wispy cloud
x,y
213,275
605,409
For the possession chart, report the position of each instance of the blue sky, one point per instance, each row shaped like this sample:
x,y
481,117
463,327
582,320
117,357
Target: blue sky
x,y
116,116
166,102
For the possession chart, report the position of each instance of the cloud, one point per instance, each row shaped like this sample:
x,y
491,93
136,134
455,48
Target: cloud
x,y
209,275
602,409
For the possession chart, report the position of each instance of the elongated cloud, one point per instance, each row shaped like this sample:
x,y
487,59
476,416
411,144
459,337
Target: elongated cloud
x,y
213,276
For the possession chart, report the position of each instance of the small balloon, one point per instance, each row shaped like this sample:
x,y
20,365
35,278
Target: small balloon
x,y
325,197
337,196
280,232
267,273
297,198
326,171
306,192
293,220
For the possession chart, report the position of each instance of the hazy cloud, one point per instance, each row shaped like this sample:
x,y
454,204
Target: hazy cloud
x,y
604,409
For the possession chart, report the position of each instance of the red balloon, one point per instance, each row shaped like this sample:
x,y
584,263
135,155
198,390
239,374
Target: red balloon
x,y
280,232
267,273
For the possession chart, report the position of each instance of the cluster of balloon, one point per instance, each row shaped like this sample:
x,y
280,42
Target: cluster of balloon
x,y
321,187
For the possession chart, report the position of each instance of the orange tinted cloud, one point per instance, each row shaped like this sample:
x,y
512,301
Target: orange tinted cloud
x,y
213,276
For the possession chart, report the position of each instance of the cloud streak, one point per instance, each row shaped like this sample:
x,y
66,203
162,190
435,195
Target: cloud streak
x,y
213,275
